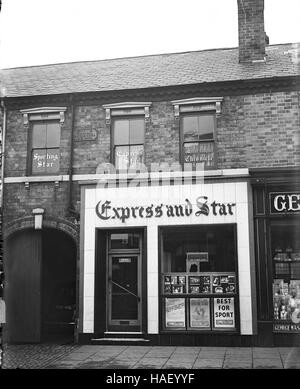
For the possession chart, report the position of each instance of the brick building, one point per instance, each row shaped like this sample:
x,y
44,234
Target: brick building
x,y
155,197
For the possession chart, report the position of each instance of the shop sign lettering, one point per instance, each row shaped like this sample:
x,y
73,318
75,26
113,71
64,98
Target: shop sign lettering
x,y
286,327
105,210
285,202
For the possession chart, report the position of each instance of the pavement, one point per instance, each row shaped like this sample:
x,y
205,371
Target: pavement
x,y
73,356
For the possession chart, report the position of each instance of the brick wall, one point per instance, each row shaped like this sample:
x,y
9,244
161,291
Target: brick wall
x,y
251,30
253,130
259,130
19,201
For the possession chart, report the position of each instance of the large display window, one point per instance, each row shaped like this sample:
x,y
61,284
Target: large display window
x,y
285,248
199,278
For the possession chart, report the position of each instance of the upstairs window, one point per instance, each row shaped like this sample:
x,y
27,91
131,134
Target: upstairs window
x,y
128,143
127,121
198,139
44,130
45,152
197,130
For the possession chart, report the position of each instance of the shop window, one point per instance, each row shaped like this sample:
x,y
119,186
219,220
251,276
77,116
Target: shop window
x,y
198,139
285,248
198,278
45,147
128,139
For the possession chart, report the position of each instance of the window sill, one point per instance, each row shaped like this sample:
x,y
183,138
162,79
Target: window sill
x,y
15,180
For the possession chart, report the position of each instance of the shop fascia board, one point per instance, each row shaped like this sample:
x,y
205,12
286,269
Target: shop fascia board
x,y
143,176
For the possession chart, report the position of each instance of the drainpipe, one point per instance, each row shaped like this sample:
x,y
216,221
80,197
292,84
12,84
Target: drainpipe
x,y
3,108
70,205
2,300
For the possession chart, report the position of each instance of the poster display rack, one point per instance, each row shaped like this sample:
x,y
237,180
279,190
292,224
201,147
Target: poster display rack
x,y
199,301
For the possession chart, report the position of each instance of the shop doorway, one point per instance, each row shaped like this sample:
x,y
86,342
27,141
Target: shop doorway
x,y
124,281
40,290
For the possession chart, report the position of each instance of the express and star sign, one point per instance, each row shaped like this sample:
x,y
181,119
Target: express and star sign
x,y
105,210
285,202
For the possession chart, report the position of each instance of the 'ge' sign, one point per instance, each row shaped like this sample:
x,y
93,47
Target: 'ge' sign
x,y
285,202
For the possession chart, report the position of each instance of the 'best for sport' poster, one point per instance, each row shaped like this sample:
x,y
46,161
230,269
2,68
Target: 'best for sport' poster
x,y
224,313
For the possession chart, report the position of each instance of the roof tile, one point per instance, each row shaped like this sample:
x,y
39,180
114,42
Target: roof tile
x,y
148,71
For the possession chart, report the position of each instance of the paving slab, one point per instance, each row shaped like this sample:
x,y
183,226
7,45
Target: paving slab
x,y
183,358
187,349
77,356
100,358
268,355
87,349
157,353
237,364
238,352
50,356
208,363
179,365
63,364
242,359
206,348
211,355
150,363
117,364
262,363
92,365
288,364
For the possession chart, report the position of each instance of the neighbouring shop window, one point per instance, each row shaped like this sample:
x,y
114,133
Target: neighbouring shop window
x,y
45,147
198,139
285,247
198,276
128,143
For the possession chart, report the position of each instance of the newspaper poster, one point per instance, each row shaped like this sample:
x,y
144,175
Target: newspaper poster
x,y
175,312
224,313
199,313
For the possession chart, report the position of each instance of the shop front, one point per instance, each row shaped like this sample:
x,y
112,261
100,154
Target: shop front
x,y
277,225
173,263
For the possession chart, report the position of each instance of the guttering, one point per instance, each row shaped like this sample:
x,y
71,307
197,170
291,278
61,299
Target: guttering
x,y
3,151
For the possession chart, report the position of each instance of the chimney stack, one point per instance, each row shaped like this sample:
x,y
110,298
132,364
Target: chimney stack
x,y
252,37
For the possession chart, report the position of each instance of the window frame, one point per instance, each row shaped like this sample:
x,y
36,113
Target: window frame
x,y
41,114
30,149
113,145
162,230
194,106
126,110
199,141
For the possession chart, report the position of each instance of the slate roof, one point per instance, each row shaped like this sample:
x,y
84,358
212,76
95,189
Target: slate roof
x,y
150,71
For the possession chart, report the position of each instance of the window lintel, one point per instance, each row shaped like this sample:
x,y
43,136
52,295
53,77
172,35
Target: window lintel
x,y
127,108
43,113
197,104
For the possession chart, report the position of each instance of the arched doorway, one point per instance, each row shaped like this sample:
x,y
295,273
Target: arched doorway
x,y
40,290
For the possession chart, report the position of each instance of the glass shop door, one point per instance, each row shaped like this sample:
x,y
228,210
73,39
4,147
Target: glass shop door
x,y
124,292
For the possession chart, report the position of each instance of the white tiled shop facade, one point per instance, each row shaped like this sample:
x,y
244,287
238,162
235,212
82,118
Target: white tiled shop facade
x,y
229,192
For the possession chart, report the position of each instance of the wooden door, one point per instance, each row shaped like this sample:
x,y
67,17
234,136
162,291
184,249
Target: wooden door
x,y
23,286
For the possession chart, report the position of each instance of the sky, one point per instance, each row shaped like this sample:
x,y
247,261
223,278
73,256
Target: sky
x,y
37,32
